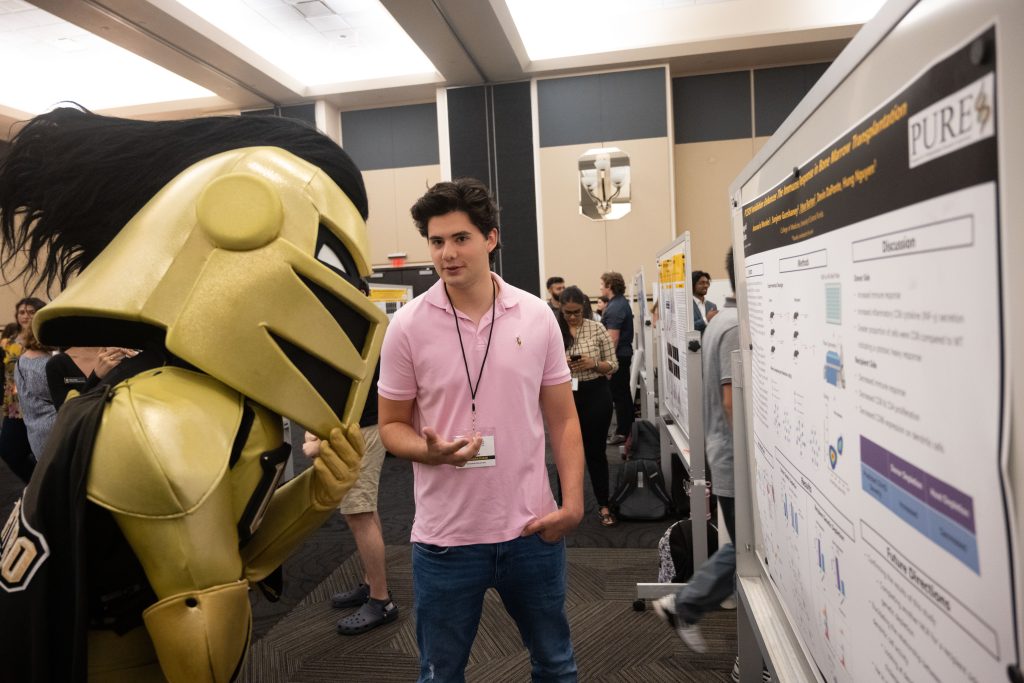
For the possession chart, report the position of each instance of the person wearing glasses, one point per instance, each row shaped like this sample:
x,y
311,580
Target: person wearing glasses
x,y
591,356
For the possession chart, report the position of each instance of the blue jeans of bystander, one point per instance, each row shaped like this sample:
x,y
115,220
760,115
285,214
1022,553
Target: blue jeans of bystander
x,y
713,583
449,584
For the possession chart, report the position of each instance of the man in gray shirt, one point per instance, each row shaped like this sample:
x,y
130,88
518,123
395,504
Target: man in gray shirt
x,y
715,580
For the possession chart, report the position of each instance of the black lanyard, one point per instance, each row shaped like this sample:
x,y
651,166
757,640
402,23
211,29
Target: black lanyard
x,y
465,363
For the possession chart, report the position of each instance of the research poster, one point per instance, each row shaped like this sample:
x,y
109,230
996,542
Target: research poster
x,y
675,317
875,312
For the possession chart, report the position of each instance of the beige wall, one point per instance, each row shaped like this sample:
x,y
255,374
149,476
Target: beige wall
x,y
580,249
391,193
703,173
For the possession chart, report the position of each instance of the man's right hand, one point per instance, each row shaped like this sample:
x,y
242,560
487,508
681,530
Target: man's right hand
x,y
457,453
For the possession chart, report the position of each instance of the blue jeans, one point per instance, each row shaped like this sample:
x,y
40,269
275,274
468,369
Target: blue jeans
x,y
713,583
449,585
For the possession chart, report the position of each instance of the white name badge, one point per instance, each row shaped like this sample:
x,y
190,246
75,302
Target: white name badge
x,y
575,383
486,456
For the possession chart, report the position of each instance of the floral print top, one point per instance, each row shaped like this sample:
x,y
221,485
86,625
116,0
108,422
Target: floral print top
x,y
12,350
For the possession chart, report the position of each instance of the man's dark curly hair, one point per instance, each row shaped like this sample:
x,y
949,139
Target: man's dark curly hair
x,y
462,194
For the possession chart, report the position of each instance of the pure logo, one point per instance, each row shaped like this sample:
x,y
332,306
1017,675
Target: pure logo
x,y
963,118
22,551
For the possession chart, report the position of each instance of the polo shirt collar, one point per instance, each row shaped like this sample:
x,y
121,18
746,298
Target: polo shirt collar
x,y
508,296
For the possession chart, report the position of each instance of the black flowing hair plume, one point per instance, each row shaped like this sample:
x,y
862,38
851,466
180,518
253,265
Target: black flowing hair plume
x,y
72,179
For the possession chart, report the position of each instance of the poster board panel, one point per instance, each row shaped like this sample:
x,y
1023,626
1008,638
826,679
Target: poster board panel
x,y
872,371
675,319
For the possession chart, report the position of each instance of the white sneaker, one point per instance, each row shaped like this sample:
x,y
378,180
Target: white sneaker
x,y
729,602
665,608
692,636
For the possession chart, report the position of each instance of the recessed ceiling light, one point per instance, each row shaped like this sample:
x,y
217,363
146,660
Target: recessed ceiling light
x,y
313,8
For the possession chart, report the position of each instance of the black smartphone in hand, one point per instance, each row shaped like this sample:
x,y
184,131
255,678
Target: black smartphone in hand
x,y
575,357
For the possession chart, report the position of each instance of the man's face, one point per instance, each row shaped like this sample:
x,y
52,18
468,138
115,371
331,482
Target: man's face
x,y
555,291
459,251
605,290
701,288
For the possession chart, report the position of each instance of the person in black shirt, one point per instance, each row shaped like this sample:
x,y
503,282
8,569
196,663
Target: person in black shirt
x,y
618,319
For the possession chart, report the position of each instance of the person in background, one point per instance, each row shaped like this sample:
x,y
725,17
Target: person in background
x,y
81,368
591,356
703,309
359,506
470,413
33,393
15,449
602,303
715,580
556,285
618,320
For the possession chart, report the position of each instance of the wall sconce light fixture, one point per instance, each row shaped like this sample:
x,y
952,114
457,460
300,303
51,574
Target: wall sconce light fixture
x,y
604,184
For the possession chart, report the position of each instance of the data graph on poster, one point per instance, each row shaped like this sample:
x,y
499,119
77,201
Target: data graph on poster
x,y
875,387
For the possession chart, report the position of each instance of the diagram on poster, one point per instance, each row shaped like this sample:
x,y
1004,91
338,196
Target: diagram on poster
x,y
876,386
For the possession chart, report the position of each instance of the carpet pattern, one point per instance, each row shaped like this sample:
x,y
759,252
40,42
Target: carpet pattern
x,y
612,641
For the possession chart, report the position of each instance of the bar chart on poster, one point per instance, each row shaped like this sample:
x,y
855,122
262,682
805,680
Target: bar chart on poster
x,y
876,402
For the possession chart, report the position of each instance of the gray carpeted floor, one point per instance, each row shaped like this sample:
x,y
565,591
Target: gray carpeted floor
x,y
612,641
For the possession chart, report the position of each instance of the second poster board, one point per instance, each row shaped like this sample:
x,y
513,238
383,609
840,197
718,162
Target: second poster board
x,y
675,320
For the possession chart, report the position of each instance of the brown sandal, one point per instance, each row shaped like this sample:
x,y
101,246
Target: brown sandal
x,y
607,518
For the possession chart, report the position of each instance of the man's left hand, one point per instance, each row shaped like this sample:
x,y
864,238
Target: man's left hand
x,y
554,526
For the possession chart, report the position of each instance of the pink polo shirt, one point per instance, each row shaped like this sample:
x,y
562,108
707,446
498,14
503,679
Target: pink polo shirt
x,y
421,360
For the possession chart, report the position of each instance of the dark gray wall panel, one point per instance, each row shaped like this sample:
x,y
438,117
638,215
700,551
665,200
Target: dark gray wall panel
x,y
301,112
468,132
712,107
626,105
778,91
569,110
634,105
490,135
513,147
392,137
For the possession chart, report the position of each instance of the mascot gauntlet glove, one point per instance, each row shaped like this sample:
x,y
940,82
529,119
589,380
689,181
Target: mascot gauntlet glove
x,y
337,466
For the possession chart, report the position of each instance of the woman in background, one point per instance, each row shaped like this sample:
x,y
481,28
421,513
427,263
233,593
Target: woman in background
x,y
14,446
37,408
591,356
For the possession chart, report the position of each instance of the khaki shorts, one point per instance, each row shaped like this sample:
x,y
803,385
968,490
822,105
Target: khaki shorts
x,y
363,495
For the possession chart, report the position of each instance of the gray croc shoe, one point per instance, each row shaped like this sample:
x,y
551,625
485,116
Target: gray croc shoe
x,y
372,614
352,597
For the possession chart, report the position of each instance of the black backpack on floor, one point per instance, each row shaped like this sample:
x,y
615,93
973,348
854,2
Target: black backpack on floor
x,y
675,551
640,492
644,442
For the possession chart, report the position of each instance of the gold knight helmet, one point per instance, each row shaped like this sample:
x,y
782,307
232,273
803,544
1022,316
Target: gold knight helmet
x,y
243,259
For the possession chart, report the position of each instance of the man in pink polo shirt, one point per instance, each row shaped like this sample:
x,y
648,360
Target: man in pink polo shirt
x,y
470,372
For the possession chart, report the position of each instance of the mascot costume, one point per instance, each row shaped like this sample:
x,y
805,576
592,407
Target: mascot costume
x,y
230,251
